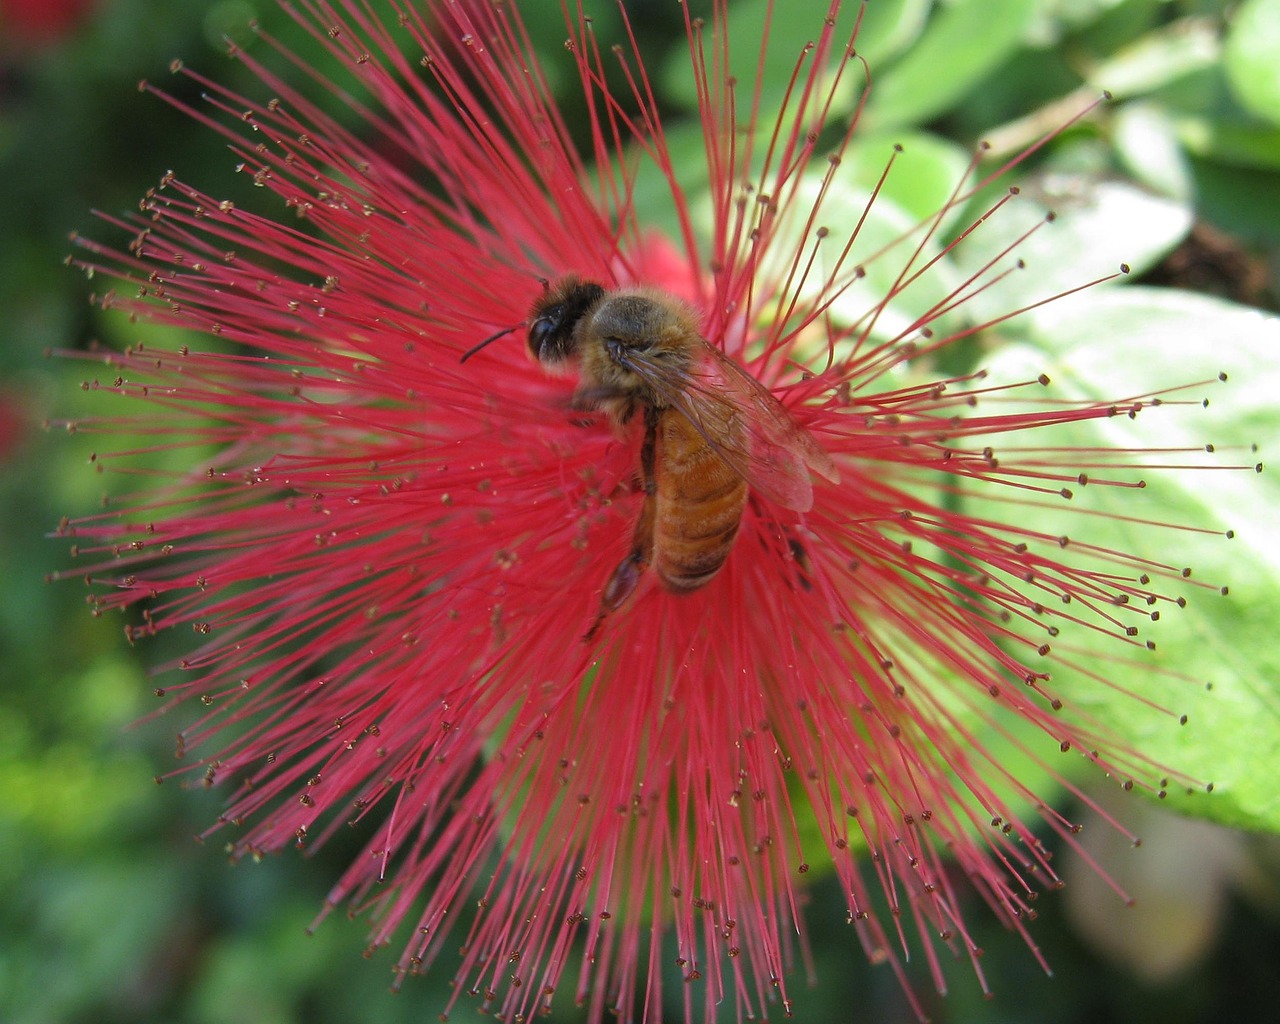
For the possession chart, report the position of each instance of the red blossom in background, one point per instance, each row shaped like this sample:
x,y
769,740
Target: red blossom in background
x,y
389,557
15,422
41,20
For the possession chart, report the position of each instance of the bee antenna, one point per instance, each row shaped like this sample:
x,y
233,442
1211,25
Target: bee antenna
x,y
493,337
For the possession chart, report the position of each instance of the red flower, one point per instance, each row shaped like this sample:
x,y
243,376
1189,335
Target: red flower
x,y
35,20
390,557
15,420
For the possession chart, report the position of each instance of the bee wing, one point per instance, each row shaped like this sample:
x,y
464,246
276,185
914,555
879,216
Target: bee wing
x,y
749,428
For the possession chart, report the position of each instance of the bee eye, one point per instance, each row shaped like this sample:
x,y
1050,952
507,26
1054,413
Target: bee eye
x,y
540,333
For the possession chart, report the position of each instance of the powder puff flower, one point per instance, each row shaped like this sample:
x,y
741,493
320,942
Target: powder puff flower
x,y
392,560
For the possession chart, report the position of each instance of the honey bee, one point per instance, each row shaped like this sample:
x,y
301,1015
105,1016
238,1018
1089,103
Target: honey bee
x,y
711,430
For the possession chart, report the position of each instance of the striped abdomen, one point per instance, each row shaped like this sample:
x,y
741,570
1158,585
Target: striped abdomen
x,y
698,505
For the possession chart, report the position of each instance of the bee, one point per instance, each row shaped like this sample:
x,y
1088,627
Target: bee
x,y
711,430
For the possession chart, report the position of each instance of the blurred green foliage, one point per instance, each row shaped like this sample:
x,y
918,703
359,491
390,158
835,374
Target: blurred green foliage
x,y
113,913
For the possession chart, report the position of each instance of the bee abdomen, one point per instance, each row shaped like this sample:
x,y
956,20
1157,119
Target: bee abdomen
x,y
694,532
698,506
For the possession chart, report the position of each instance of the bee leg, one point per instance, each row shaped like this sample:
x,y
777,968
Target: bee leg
x,y
626,577
622,584
619,402
618,405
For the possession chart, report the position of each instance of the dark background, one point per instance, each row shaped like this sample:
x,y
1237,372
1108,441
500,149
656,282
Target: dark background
x,y
112,912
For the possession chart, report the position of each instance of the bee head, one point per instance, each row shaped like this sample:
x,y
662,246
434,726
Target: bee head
x,y
554,317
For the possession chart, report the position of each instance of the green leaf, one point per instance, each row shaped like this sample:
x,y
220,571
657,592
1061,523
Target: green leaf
x,y
651,192
886,300
1096,226
1244,201
1214,660
1158,59
1253,57
925,173
1146,141
1054,18
959,47
1243,145
887,27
